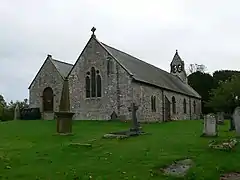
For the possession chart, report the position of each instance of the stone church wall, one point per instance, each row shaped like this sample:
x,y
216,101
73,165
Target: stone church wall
x,y
142,96
180,115
116,86
47,77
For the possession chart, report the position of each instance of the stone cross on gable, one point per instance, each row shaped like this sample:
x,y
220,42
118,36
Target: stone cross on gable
x,y
93,31
134,109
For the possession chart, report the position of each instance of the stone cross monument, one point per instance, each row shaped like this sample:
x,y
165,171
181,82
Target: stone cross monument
x,y
135,124
64,116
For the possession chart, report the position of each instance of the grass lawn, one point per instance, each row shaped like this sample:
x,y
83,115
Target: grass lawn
x,y
29,150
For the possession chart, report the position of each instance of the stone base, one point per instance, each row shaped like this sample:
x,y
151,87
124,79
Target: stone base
x,y
206,135
64,122
63,134
125,134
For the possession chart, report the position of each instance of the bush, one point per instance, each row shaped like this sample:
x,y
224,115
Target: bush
x,y
7,114
30,114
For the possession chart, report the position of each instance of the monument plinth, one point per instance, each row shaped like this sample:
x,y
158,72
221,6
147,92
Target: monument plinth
x,y
64,116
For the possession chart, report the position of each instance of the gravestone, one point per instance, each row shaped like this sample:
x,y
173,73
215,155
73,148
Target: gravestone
x,y
232,125
64,116
236,119
17,112
210,125
135,130
114,115
220,118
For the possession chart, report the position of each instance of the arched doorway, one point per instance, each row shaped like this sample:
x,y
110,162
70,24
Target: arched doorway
x,y
48,100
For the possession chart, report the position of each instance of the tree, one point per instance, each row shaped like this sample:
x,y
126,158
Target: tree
x,y
202,83
2,101
196,68
225,96
223,75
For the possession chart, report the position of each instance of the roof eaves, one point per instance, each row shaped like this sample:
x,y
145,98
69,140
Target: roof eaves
x,y
48,56
151,84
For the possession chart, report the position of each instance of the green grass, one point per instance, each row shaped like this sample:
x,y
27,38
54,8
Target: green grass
x,y
29,150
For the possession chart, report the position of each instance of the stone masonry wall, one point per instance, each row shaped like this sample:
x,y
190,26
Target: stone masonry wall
x,y
116,86
47,77
142,97
180,115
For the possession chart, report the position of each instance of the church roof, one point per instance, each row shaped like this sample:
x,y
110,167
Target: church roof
x,y
147,73
62,67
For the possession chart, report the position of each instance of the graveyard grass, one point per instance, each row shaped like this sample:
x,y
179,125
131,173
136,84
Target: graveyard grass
x,y
31,150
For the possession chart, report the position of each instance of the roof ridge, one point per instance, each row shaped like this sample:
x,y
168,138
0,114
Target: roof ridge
x,y
140,60
61,62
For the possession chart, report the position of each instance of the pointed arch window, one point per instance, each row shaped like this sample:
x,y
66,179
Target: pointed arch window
x,y
93,83
184,106
99,85
194,106
173,105
153,103
88,86
109,66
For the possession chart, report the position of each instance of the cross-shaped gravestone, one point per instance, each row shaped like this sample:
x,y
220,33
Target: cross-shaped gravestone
x,y
134,109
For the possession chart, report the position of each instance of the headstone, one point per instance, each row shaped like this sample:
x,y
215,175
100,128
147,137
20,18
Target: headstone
x,y
210,125
220,118
232,125
135,124
114,115
17,112
236,120
64,116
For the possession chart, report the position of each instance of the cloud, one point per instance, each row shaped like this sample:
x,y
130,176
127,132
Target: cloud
x,y
204,32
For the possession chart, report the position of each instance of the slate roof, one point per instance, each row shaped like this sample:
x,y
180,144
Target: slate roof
x,y
147,73
62,67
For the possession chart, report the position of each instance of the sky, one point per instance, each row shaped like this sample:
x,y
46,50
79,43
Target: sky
x,y
204,32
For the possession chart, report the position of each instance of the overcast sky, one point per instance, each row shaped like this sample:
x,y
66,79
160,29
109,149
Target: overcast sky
x,y
204,32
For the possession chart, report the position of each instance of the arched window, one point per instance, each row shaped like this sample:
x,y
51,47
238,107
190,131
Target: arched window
x,y
184,106
153,103
194,107
93,82
109,66
99,86
173,105
47,99
88,85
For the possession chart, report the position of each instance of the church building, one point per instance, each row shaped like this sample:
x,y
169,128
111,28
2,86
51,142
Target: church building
x,y
104,81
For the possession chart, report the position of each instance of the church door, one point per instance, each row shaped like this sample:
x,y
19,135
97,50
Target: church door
x,y
48,100
167,108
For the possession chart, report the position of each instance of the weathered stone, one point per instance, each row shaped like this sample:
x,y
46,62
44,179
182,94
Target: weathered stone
x,y
64,116
16,112
210,125
220,118
236,119
178,168
230,176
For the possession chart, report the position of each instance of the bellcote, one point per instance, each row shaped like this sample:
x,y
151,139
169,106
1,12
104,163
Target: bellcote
x,y
178,68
